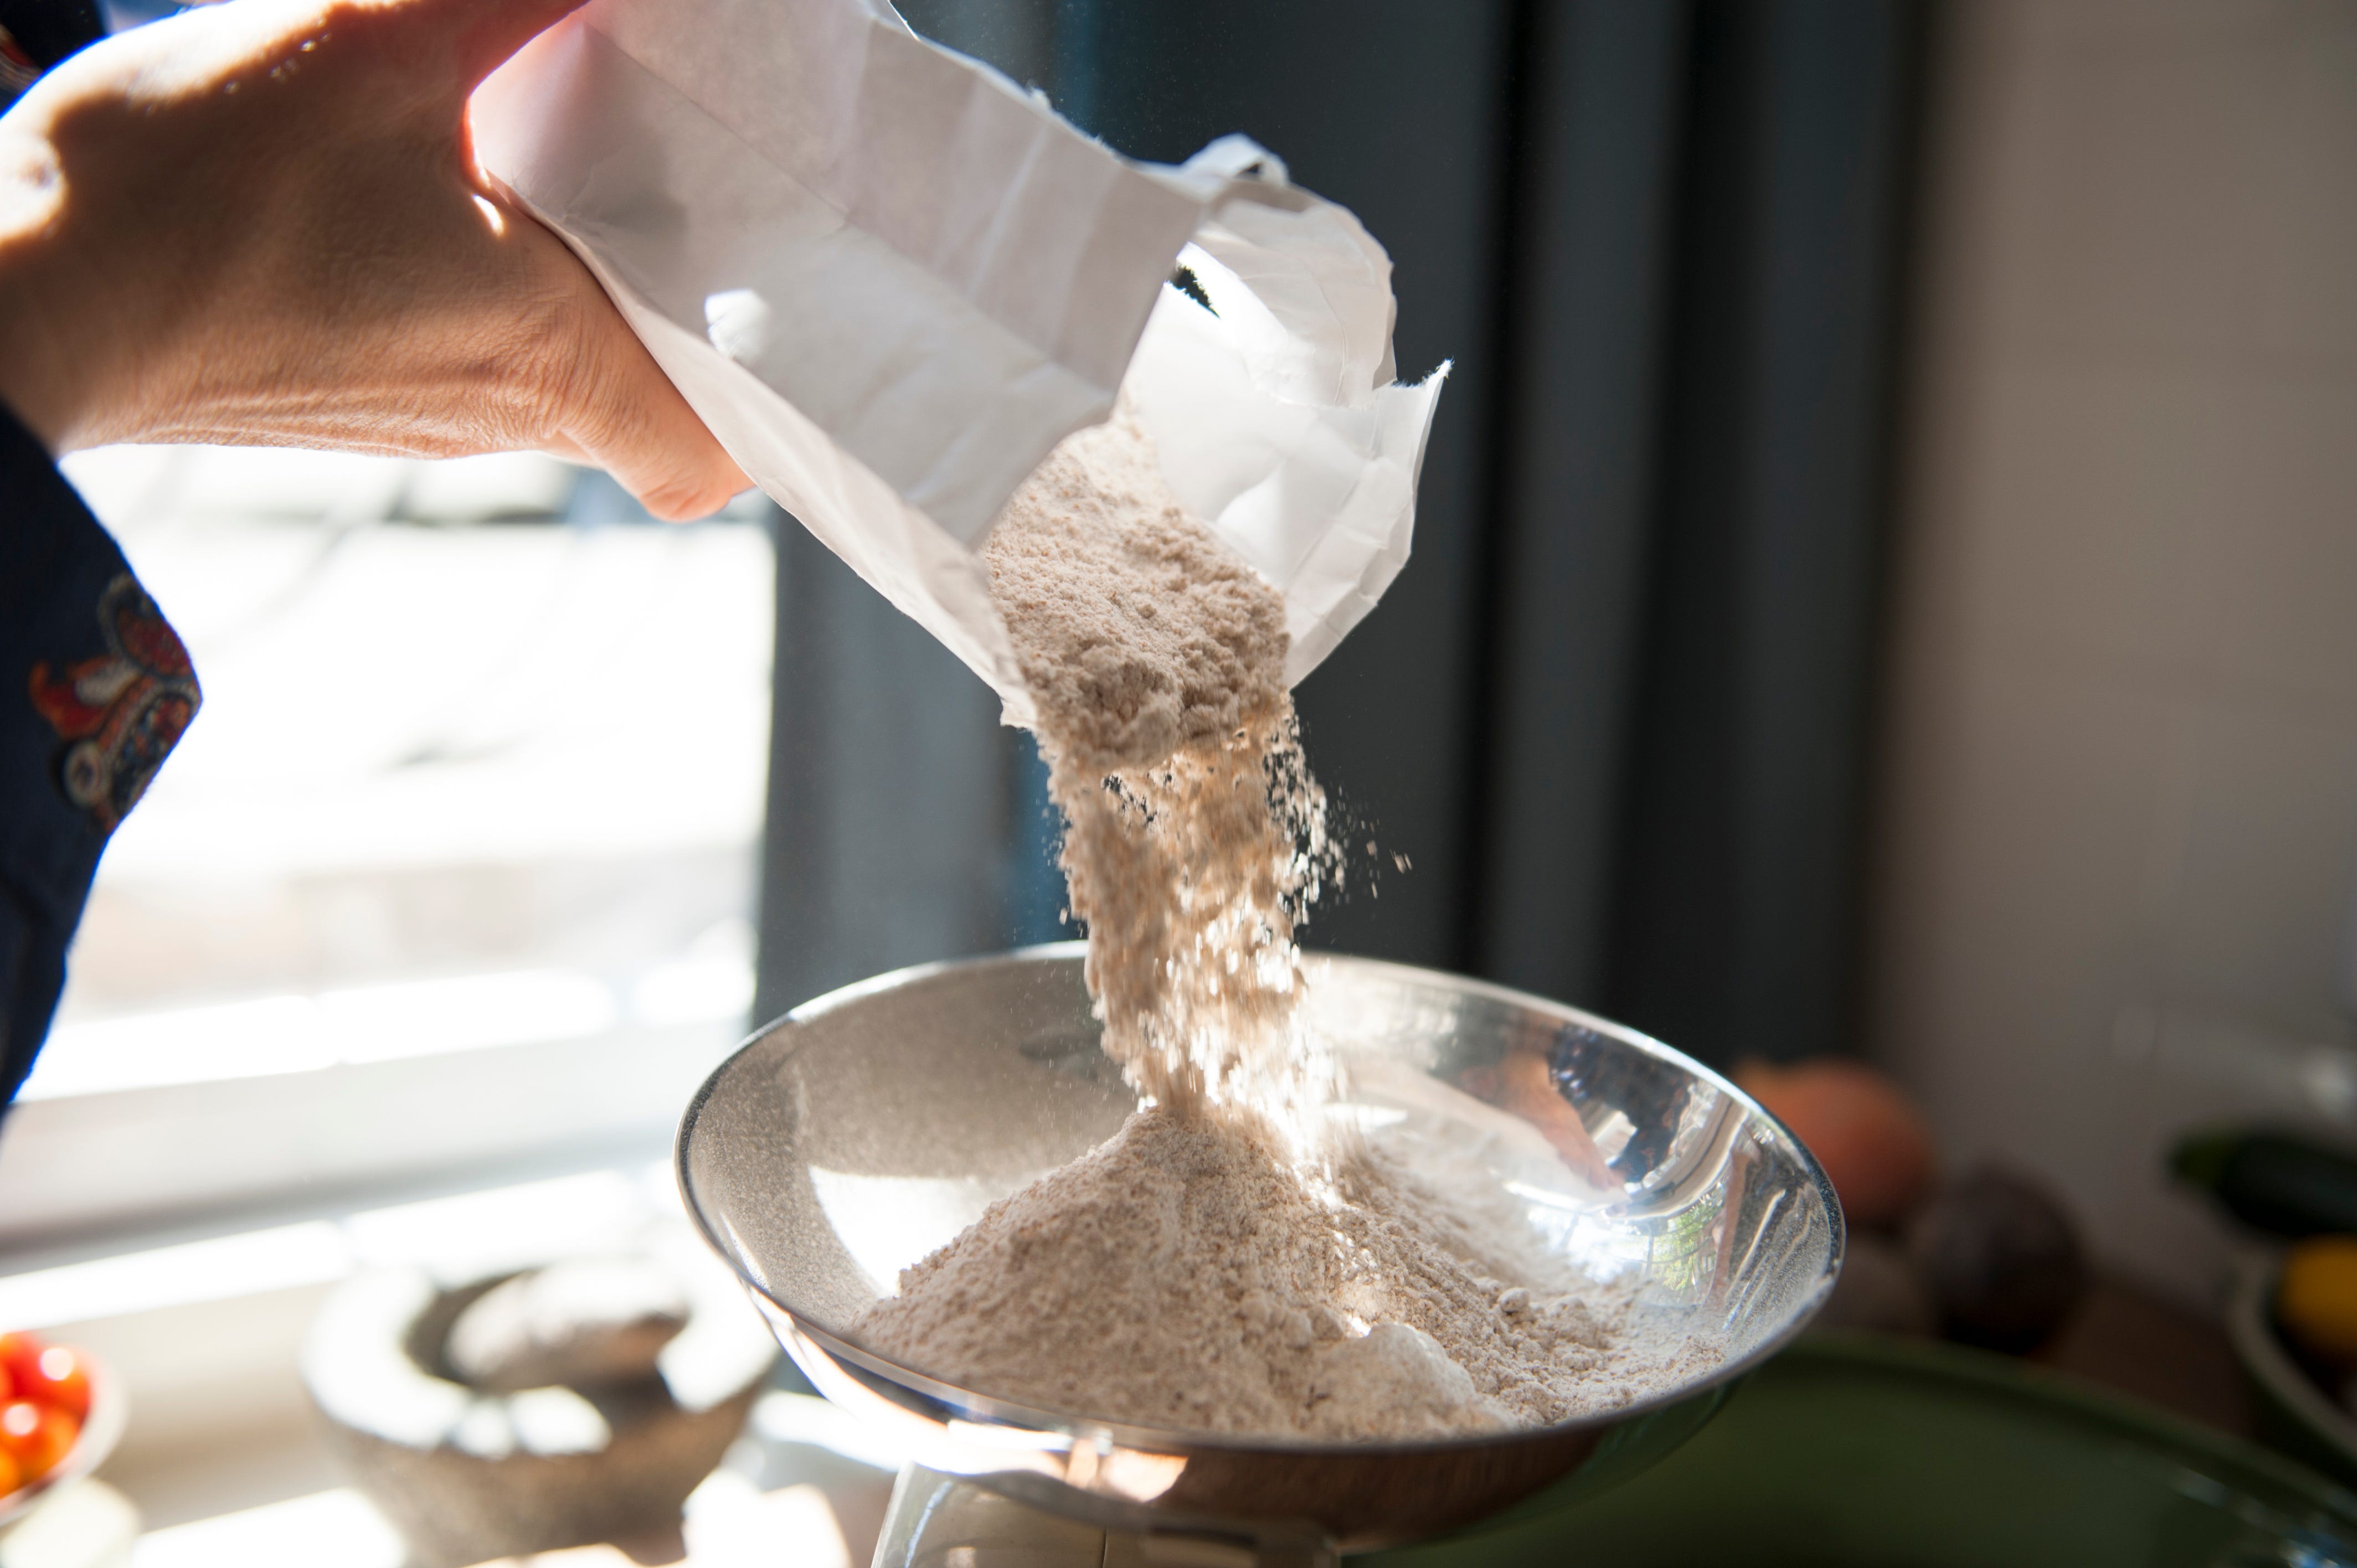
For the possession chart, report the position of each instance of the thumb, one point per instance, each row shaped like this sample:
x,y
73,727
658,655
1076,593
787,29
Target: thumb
x,y
625,416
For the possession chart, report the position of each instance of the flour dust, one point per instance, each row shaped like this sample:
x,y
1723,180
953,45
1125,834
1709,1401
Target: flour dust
x,y
1222,1264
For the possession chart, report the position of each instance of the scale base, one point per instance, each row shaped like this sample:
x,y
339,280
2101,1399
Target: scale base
x,y
948,1521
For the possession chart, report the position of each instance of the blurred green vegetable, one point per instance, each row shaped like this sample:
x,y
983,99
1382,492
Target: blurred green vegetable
x,y
2272,1181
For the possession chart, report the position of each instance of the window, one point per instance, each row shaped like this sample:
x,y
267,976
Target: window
x,y
457,863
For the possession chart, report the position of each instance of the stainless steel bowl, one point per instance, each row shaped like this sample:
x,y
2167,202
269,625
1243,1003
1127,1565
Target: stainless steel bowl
x,y
872,1125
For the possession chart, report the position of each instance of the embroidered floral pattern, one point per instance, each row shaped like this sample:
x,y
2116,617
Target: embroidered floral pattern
x,y
121,713
16,68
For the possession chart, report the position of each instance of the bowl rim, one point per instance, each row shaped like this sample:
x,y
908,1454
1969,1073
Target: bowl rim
x,y
1900,1366
102,1429
2259,1347
961,1404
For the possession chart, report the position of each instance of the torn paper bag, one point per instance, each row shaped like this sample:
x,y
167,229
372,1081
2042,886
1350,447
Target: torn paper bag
x,y
891,281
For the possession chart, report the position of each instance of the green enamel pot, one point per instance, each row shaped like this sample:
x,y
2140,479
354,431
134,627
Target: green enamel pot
x,y
2294,1415
1863,1452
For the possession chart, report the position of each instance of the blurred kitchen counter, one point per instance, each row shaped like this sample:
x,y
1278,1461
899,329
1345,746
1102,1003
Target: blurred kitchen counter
x,y
2139,1344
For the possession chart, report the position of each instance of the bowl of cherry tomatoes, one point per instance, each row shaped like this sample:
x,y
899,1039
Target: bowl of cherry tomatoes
x,y
60,1413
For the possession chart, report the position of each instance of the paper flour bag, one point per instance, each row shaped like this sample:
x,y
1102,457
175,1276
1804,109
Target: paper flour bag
x,y
891,281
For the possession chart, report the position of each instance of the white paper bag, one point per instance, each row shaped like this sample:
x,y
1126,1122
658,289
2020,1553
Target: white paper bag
x,y
891,281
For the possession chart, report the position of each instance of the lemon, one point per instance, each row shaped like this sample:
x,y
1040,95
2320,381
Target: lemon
x,y
2316,1297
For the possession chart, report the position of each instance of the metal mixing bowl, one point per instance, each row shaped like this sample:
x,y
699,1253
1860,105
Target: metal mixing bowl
x,y
870,1126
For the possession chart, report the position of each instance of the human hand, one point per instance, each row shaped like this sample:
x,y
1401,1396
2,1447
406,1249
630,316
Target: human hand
x,y
262,223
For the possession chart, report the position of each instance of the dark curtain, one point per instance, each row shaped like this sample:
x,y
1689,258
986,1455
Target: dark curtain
x,y
1733,890
888,838
1614,711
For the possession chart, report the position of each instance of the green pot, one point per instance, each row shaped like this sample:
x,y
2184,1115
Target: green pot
x,y
2294,1415
1863,1452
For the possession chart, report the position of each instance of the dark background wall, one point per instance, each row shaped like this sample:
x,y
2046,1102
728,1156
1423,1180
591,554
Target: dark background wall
x,y
1400,112
1614,710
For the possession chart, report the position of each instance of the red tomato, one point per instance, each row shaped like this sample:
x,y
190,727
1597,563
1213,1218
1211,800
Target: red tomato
x,y
37,1436
58,1379
11,1478
17,1353
1873,1142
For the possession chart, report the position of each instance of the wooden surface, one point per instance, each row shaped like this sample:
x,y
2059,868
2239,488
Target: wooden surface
x,y
2152,1350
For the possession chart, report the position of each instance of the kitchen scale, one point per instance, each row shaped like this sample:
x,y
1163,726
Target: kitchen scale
x,y
870,1126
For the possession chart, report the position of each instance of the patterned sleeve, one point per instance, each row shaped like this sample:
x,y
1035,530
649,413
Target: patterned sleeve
x,y
37,33
94,689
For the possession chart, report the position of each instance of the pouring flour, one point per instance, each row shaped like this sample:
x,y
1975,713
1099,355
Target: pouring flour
x,y
891,281
939,326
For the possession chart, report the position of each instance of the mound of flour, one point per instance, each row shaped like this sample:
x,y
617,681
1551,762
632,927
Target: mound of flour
x,y
1185,1275
1218,1266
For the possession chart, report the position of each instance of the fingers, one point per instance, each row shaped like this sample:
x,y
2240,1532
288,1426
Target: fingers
x,y
630,421
662,453
485,32
492,30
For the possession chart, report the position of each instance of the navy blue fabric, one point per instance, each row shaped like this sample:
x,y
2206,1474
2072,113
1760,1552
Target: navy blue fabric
x,y
37,33
93,691
49,30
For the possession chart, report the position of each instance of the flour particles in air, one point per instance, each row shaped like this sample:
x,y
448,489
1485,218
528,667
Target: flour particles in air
x,y
1221,1264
